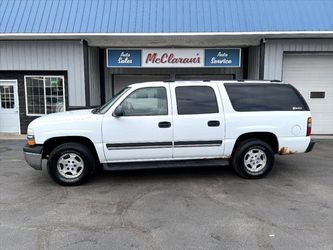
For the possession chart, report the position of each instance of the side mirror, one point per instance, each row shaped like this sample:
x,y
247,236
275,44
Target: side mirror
x,y
118,111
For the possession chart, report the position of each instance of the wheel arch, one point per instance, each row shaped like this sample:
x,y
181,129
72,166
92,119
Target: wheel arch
x,y
267,137
52,143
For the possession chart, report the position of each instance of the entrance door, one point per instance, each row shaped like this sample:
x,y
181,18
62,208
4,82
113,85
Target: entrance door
x,y
9,108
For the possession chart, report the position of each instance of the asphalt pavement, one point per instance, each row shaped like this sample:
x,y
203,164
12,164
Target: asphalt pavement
x,y
191,208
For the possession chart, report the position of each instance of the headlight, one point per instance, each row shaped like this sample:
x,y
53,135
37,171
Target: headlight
x,y
31,137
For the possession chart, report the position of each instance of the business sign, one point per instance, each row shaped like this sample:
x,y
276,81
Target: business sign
x,y
222,57
123,58
173,58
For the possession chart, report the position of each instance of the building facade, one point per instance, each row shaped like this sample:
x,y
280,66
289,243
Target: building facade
x,y
65,55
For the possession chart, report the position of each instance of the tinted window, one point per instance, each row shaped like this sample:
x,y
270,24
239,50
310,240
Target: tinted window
x,y
146,101
196,100
265,97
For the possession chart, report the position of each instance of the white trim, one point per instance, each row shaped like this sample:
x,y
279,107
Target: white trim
x,y
43,76
173,33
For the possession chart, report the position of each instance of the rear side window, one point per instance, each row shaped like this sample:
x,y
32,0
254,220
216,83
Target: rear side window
x,y
265,97
196,100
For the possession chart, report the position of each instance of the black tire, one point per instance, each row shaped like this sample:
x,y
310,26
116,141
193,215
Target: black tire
x,y
247,165
83,157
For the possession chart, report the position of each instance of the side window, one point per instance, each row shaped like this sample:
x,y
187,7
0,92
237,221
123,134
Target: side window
x,y
196,100
265,97
146,101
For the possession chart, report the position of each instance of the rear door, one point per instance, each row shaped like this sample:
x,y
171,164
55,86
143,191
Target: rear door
x,y
197,121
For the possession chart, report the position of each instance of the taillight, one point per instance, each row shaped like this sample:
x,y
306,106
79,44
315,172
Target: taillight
x,y
309,126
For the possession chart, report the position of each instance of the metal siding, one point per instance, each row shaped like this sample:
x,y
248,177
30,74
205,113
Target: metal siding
x,y
274,50
47,55
253,67
108,84
164,16
94,81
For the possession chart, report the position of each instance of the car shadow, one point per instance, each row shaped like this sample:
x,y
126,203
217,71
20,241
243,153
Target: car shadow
x,y
204,172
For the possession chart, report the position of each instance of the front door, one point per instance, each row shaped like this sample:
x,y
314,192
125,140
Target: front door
x,y
198,121
140,127
9,108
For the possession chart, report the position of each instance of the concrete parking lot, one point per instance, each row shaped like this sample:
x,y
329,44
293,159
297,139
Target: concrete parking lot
x,y
192,208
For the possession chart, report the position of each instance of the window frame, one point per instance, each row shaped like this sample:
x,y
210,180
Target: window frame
x,y
44,91
151,87
189,86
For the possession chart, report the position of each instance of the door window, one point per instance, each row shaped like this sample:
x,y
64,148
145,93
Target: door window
x,y
196,100
146,101
7,97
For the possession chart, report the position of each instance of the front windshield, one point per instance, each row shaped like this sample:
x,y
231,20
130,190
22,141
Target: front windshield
x,y
104,108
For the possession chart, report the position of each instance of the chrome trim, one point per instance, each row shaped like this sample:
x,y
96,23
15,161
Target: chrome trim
x,y
139,147
34,160
198,145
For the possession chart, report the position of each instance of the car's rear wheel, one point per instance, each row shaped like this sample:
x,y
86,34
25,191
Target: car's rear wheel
x,y
253,159
71,164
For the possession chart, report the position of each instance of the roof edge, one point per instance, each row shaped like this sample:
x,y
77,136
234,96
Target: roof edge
x,y
261,33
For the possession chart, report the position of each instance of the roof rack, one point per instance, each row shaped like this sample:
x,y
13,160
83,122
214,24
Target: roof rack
x,y
275,81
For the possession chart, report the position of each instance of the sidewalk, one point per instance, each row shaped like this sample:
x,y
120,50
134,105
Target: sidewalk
x,y
12,136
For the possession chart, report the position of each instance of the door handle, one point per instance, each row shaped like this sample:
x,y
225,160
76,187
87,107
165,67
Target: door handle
x,y
213,123
164,124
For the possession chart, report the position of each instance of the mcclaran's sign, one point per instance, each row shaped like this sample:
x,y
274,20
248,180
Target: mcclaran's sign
x,y
173,58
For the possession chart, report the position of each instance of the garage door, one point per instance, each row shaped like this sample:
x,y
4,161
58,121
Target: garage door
x,y
312,75
121,81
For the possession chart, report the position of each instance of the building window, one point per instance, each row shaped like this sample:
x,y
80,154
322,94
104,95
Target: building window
x,y
44,94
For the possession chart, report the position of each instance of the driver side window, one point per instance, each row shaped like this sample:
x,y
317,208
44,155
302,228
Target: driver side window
x,y
146,101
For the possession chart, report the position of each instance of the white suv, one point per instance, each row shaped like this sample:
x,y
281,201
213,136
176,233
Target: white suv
x,y
188,123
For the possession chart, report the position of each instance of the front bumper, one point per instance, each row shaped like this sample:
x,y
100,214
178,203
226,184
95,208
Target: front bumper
x,y
310,147
33,156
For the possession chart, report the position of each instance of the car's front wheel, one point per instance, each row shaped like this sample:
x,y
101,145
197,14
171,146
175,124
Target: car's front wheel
x,y
253,159
71,164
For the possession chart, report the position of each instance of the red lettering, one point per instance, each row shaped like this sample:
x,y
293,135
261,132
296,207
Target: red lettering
x,y
151,57
164,58
170,58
